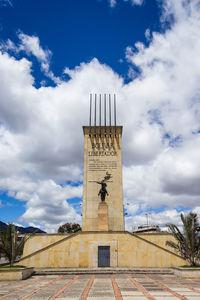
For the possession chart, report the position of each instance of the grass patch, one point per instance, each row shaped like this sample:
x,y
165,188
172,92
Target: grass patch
x,y
188,267
13,267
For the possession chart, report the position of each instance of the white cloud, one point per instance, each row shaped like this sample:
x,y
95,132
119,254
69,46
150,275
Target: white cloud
x,y
169,80
197,210
148,34
145,143
46,201
47,205
31,46
136,2
156,218
112,3
41,140
6,2
161,218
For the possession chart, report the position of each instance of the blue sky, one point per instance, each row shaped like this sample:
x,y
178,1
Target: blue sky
x,y
53,54
77,31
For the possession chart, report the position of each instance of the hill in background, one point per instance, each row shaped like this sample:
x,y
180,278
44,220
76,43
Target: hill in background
x,y
3,227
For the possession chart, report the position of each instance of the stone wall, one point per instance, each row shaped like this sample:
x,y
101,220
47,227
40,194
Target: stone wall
x,y
81,250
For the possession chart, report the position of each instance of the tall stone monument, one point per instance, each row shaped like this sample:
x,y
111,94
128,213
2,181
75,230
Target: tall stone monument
x,y
102,184
102,241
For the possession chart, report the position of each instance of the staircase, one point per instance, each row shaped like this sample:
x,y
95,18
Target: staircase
x,y
83,271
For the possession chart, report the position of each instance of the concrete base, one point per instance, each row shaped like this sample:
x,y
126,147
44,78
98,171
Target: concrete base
x,y
187,272
15,274
103,216
89,271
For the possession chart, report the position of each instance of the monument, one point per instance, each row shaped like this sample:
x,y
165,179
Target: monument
x,y
102,166
103,241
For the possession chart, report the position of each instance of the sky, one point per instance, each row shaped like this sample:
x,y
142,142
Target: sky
x,y
53,55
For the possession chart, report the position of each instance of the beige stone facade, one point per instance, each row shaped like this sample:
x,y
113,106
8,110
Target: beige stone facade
x,y
102,222
15,274
102,153
103,217
81,250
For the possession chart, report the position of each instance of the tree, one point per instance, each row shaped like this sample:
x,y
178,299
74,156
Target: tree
x,y
188,241
69,228
10,245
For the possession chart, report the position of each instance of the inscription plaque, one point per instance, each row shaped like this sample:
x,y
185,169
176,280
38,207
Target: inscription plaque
x,y
101,165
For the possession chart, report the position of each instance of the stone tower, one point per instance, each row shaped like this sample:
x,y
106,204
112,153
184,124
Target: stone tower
x,y
102,163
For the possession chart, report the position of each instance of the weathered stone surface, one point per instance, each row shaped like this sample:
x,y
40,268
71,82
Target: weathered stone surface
x,y
187,272
102,154
81,250
15,274
103,217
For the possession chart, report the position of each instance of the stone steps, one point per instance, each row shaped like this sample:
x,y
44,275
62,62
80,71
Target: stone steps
x,y
79,271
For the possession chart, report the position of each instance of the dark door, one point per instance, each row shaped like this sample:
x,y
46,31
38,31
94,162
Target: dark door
x,y
103,256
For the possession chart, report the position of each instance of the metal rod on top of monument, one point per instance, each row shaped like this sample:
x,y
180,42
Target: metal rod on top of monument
x,y
90,120
95,113
105,113
110,112
100,110
115,119
100,115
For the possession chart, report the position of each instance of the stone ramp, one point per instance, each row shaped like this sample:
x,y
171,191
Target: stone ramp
x,y
79,271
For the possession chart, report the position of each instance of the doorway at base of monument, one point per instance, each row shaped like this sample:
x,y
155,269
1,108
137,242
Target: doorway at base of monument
x,y
80,250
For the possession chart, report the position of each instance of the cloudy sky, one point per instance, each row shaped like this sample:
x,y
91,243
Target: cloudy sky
x,y
53,54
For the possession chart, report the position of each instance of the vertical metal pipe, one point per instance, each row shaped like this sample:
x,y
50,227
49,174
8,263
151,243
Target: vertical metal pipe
x,y
115,118
105,113
110,112
100,115
95,113
90,120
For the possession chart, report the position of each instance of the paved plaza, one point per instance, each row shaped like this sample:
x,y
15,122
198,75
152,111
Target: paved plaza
x,y
101,286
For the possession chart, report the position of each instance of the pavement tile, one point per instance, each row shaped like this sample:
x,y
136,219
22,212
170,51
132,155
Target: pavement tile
x,y
180,289
101,295
154,289
10,297
190,293
166,298
67,298
102,288
100,298
193,297
131,293
134,298
128,289
158,293
38,298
